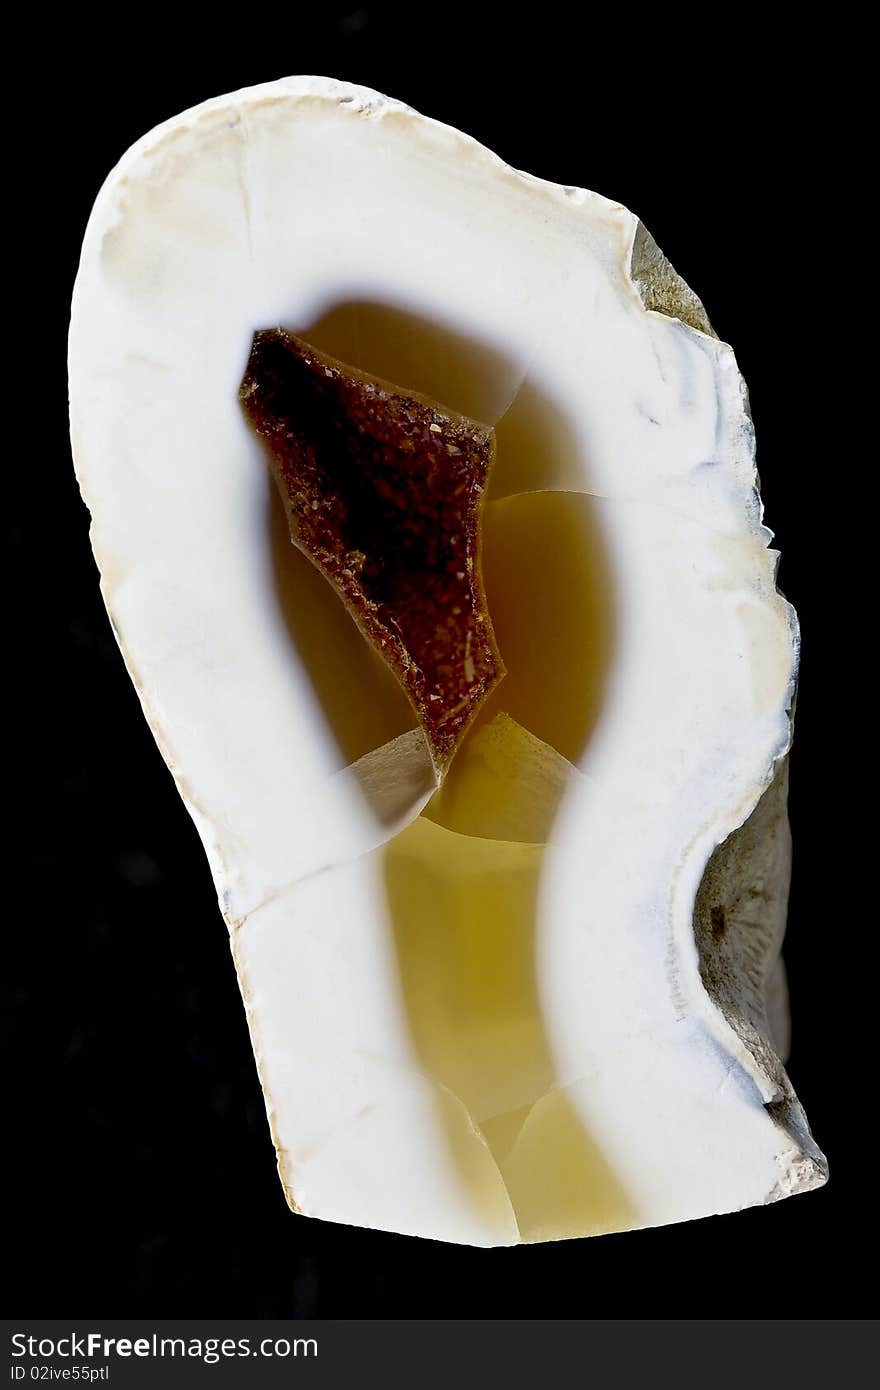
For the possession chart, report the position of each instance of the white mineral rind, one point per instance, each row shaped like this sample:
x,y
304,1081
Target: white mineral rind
x,y
268,207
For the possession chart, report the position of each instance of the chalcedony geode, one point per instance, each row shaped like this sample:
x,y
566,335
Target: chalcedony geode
x,y
532,991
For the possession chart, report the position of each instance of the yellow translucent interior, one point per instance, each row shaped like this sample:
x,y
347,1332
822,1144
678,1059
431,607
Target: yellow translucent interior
x,y
463,880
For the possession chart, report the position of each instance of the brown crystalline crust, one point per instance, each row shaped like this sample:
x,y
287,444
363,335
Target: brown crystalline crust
x,y
383,491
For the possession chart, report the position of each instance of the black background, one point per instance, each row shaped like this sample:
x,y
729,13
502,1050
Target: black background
x,y
142,1175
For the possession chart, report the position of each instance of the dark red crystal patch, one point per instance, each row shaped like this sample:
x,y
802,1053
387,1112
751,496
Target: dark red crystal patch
x,y
383,490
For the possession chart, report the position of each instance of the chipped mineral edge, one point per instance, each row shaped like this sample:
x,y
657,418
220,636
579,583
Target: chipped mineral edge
x,y
544,1000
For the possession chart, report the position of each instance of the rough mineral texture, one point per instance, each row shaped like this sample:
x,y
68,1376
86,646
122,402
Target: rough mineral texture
x,y
383,492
